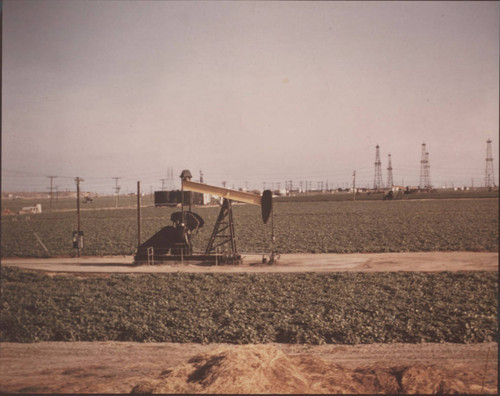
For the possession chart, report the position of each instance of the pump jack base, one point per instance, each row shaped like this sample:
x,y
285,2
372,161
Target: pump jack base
x,y
205,259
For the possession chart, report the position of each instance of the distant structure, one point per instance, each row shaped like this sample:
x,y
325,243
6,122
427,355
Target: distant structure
x,y
170,177
390,182
377,183
489,180
117,188
428,184
425,170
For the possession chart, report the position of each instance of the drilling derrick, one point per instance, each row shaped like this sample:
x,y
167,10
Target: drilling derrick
x,y
377,183
428,185
390,183
425,178
489,180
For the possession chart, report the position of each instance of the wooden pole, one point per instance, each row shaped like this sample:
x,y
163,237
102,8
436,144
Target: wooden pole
x,y
138,214
354,185
78,180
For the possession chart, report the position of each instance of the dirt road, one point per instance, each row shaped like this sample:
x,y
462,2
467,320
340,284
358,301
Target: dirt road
x,y
357,262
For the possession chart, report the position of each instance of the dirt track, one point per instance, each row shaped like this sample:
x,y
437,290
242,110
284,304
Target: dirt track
x,y
357,262
116,367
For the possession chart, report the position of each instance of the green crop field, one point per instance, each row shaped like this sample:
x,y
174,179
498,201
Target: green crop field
x,y
319,227
335,308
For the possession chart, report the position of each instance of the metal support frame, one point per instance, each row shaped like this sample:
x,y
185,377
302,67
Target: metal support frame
x,y
223,229
151,255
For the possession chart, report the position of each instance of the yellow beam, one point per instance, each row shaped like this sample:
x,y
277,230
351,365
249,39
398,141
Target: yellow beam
x,y
233,195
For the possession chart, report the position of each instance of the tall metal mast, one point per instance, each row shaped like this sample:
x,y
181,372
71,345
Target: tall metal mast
x,y
377,183
489,180
390,182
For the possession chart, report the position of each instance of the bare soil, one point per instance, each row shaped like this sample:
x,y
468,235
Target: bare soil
x,y
356,262
120,367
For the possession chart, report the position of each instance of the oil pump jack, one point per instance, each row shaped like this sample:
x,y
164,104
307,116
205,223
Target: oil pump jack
x,y
173,243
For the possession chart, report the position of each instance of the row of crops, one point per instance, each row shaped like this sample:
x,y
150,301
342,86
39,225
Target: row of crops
x,y
344,308
317,227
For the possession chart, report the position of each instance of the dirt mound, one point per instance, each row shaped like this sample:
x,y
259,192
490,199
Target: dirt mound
x,y
265,369
246,369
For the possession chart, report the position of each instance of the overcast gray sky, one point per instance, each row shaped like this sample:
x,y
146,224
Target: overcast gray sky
x,y
246,91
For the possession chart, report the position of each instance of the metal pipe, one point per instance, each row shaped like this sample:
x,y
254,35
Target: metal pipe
x,y
233,195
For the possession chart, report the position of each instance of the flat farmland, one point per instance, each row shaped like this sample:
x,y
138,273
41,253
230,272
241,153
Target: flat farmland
x,y
332,333
310,308
300,227
421,327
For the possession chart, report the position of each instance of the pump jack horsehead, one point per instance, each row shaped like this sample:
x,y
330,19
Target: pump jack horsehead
x,y
173,243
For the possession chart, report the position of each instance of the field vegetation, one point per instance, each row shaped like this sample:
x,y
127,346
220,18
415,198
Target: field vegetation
x,y
373,196
317,227
335,308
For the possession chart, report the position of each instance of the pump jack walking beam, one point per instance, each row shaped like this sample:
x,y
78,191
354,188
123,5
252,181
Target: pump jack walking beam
x,y
265,200
233,195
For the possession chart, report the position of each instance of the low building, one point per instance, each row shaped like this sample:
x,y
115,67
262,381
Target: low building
x,y
31,209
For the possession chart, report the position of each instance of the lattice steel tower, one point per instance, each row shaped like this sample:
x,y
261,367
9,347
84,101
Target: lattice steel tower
x,y
390,183
377,183
489,180
425,170
428,184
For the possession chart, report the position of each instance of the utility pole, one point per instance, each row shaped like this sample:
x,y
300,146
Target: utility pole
x,y
170,178
354,185
117,188
51,179
138,214
163,184
78,180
